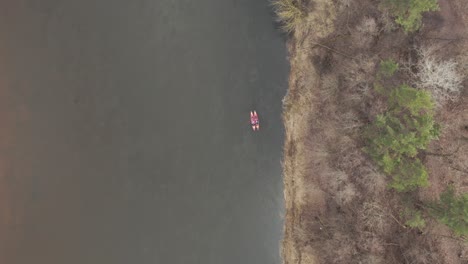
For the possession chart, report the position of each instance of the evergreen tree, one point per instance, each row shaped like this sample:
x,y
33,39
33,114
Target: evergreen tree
x,y
451,210
408,13
396,137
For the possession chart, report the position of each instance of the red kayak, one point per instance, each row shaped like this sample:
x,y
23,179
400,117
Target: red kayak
x,y
254,120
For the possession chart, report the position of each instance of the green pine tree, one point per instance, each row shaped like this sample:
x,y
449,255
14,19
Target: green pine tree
x,y
451,210
408,13
396,137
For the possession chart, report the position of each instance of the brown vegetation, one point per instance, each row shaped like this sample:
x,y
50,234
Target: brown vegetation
x,y
338,206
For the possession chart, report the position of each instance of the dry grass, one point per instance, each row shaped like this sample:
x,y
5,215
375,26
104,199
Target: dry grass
x,y
372,259
296,118
329,87
344,4
309,256
462,7
291,14
302,16
322,18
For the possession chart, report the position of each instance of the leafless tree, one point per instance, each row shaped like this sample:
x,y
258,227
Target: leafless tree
x,y
439,77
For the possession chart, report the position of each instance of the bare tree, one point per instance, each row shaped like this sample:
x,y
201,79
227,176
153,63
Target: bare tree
x,y
368,26
439,77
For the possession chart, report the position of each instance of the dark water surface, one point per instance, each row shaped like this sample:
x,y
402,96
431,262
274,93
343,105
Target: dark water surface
x,y
132,142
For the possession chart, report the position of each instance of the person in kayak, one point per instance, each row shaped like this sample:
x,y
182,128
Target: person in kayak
x,y
254,120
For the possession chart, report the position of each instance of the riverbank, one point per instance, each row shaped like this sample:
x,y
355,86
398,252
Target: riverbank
x,y
338,206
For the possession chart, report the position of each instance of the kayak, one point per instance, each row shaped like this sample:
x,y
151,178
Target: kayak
x,y
254,120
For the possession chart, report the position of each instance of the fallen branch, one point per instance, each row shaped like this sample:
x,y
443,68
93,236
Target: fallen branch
x,y
448,39
462,239
397,221
458,169
444,154
333,50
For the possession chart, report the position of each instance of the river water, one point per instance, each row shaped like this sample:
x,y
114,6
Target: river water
x,y
130,137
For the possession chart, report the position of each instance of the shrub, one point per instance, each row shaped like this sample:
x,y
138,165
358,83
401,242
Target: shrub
x,y
372,181
451,210
408,13
373,217
441,78
378,87
415,219
290,13
364,33
346,195
396,137
388,24
357,71
388,67
368,26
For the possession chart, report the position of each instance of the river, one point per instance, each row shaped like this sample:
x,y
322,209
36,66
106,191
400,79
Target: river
x,y
131,137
